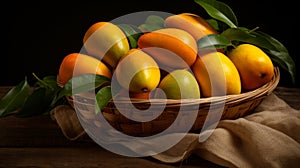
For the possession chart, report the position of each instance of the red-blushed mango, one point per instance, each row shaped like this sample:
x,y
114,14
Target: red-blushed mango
x,y
170,47
75,64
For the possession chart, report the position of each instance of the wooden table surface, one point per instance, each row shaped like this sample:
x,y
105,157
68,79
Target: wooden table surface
x,y
39,142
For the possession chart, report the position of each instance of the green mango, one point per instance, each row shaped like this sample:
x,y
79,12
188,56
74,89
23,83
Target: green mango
x,y
179,84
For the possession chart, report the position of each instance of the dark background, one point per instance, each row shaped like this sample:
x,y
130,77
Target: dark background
x,y
36,36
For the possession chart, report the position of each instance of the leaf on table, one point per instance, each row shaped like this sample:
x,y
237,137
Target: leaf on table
x,y
36,103
47,82
14,98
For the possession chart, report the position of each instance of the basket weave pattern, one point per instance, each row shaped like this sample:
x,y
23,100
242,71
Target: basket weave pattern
x,y
235,106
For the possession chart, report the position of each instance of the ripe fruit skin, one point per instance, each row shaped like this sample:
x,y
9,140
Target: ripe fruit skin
x,y
216,75
192,23
180,84
170,47
137,72
75,64
254,65
106,41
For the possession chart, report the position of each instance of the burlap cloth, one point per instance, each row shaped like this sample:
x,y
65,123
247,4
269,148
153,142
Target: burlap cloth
x,y
269,137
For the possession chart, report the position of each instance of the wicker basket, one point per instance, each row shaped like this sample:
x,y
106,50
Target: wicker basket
x,y
235,106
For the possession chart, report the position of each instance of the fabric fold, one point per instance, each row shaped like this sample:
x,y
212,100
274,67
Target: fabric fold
x,y
269,137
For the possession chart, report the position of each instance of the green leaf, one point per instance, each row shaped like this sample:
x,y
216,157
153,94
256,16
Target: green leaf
x,y
278,45
244,35
50,81
132,33
213,41
155,20
81,83
284,61
219,11
214,24
14,98
36,103
103,96
226,10
148,27
152,23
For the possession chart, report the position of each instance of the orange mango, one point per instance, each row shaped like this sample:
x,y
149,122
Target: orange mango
x,y
77,64
192,23
170,47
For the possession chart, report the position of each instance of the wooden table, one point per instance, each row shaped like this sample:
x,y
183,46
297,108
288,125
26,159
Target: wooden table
x,y
39,142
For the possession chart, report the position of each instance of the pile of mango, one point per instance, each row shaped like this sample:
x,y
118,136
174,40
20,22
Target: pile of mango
x,y
166,62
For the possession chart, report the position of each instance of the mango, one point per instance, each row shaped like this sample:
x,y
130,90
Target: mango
x,y
170,47
216,75
192,23
137,72
75,64
254,65
107,42
179,84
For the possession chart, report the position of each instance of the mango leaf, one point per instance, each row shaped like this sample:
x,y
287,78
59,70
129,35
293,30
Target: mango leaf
x,y
155,20
14,98
213,41
284,61
219,11
214,24
103,96
36,103
132,33
152,23
149,28
49,82
39,101
81,83
244,35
